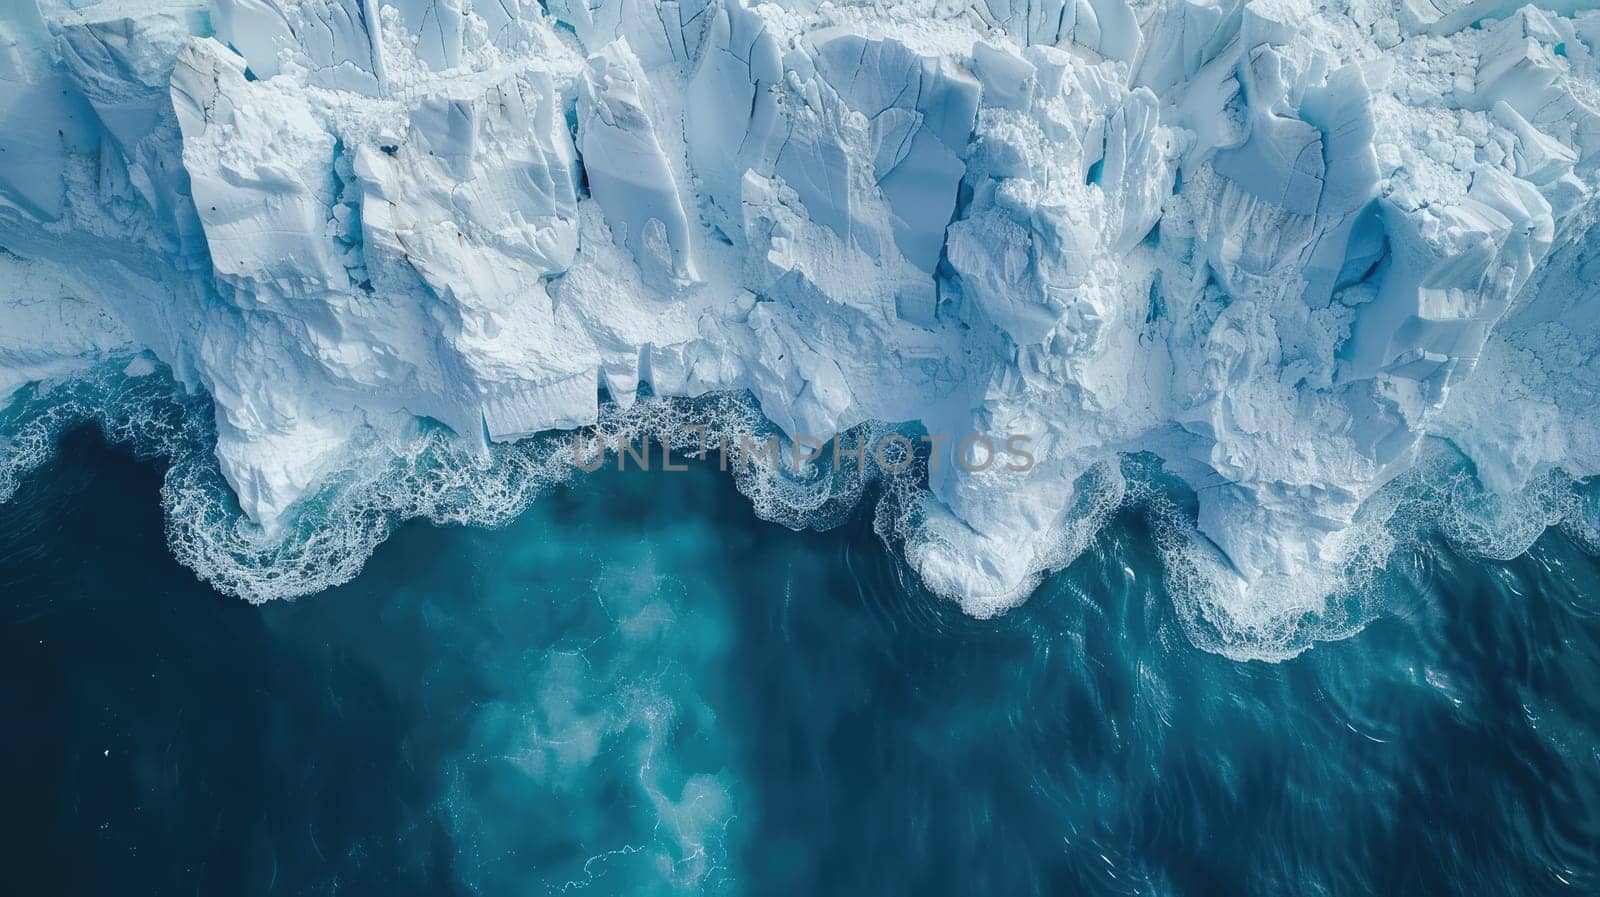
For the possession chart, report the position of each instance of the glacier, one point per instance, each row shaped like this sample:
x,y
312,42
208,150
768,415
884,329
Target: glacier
x,y
1283,247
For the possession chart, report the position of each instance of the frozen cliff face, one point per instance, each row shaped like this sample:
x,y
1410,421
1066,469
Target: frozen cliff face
x,y
1275,244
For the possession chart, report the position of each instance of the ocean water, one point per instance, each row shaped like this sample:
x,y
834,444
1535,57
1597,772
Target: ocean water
x,y
638,687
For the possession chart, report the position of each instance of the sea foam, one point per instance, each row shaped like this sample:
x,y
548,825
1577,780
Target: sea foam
x,y
432,474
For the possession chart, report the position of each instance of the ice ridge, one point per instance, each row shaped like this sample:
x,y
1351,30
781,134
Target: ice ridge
x,y
1280,246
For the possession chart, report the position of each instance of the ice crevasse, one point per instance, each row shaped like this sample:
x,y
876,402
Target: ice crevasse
x,y
1278,244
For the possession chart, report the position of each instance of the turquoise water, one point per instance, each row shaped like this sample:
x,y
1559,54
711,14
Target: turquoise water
x,y
637,687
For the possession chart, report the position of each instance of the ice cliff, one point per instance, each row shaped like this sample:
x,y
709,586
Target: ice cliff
x,y
1277,244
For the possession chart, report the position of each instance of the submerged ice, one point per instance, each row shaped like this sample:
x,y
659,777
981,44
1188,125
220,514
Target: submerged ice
x,y
1276,245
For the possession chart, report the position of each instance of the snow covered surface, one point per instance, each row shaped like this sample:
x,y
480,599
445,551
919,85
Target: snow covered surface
x,y
1277,244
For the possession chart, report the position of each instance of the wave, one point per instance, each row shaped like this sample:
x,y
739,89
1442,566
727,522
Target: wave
x,y
429,473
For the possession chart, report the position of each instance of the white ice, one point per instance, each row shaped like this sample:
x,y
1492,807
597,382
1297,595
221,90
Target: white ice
x,y
1276,244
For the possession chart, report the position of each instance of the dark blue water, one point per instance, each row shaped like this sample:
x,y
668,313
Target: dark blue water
x,y
639,688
